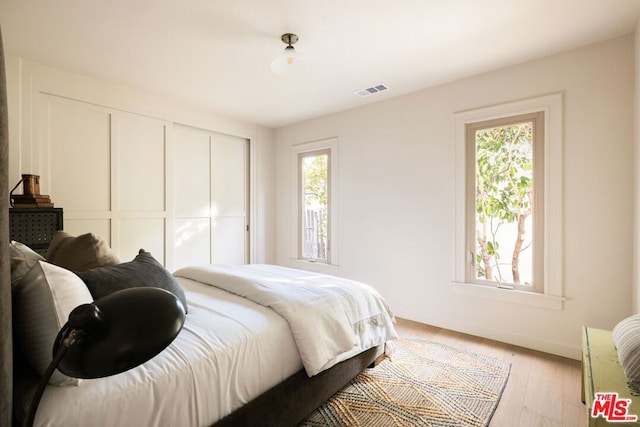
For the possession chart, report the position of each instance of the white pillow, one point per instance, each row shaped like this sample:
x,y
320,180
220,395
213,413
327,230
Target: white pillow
x,y
22,259
43,300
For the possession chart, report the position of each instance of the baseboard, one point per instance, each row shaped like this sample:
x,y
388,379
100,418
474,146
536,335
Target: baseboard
x,y
546,346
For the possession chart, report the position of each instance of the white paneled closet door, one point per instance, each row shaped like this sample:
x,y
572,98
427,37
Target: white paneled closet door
x,y
210,179
106,168
139,196
72,153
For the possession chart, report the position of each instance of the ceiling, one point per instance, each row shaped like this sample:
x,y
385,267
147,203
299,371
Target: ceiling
x,y
216,54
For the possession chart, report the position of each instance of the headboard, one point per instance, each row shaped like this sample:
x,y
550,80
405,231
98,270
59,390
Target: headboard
x,y
6,346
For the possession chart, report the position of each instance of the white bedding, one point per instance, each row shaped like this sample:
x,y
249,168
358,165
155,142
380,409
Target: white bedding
x,y
331,318
229,351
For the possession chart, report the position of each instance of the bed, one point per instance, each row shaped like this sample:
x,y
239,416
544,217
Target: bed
x,y
236,361
279,387
261,344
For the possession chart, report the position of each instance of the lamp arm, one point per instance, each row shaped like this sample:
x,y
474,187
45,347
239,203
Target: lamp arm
x,y
72,338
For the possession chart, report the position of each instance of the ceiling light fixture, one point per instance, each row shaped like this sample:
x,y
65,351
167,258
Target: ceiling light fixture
x,y
289,62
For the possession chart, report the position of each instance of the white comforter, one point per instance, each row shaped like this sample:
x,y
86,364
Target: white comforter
x,y
229,351
331,318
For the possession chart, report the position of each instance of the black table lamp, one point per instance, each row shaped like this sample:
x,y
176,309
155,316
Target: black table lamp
x,y
112,335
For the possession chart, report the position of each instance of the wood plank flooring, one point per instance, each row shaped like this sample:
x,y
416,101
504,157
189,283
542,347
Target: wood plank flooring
x,y
543,389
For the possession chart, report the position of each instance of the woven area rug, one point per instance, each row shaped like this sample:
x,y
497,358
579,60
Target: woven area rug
x,y
425,384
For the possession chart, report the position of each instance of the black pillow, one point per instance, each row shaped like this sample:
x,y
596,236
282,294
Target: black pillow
x,y
143,271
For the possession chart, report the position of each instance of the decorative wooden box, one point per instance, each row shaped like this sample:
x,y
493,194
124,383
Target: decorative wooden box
x,y
35,226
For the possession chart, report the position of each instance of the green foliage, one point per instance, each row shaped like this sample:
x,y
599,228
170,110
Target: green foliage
x,y
504,168
316,178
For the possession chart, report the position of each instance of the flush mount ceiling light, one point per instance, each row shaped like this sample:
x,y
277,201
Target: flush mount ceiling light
x,y
289,62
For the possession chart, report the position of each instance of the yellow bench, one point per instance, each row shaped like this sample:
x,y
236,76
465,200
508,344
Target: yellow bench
x,y
602,373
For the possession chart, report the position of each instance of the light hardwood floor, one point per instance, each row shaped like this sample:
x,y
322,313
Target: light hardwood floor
x,y
542,390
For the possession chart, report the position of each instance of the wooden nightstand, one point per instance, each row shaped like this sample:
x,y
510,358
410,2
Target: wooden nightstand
x,y
35,226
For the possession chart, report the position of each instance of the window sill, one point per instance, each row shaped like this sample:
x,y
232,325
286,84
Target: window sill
x,y
531,299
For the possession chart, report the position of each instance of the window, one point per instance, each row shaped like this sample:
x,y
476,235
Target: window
x,y
313,217
314,202
508,193
505,175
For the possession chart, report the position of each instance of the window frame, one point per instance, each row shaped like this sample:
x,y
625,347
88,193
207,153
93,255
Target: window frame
x,y
537,120
301,195
551,293
329,146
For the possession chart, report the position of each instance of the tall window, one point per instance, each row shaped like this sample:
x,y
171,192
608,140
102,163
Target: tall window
x,y
505,201
509,202
313,218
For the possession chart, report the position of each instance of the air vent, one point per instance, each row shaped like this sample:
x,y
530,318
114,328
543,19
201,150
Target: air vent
x,y
372,90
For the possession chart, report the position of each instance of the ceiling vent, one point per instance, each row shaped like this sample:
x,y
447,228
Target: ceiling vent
x,y
372,90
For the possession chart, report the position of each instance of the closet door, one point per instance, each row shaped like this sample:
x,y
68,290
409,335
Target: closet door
x,y
74,150
210,189
139,192
106,168
229,234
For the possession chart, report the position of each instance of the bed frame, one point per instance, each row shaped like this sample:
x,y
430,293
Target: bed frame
x,y
286,404
291,401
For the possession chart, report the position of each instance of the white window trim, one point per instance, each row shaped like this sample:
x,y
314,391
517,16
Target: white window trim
x,y
552,298
330,144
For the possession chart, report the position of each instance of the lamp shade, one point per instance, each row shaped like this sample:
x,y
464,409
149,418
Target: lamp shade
x,y
120,331
289,62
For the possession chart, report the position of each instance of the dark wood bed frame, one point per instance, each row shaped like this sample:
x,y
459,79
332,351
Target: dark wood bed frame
x,y
291,401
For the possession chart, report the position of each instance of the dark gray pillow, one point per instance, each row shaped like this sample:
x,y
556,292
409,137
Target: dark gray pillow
x,y
143,271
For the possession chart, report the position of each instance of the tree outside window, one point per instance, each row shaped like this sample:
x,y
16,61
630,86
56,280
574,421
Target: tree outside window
x,y
505,200
314,219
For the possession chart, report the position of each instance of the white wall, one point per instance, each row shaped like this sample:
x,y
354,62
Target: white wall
x,y
32,85
396,210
